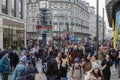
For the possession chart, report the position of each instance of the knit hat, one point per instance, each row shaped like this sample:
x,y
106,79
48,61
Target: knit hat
x,y
23,59
95,65
76,60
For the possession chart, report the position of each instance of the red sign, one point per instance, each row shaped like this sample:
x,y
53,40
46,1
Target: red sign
x,y
43,27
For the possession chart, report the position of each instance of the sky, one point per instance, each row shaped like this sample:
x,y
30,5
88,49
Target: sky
x,y
101,6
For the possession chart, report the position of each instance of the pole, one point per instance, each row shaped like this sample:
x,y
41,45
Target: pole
x,y
103,26
97,24
25,40
67,33
59,33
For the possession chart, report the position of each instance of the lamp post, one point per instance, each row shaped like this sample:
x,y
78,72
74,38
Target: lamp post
x,y
97,24
67,33
103,26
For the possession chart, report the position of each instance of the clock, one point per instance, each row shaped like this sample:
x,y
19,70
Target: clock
x,y
33,0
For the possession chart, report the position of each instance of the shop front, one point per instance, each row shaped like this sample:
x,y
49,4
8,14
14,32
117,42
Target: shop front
x,y
13,33
113,12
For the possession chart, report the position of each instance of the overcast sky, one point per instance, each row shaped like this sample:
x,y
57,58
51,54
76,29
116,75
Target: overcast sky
x,y
101,6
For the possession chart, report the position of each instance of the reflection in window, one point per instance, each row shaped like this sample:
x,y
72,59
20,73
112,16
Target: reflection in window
x,y
13,7
4,6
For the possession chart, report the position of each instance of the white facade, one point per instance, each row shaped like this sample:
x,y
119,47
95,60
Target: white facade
x,y
72,14
12,22
92,22
31,16
101,28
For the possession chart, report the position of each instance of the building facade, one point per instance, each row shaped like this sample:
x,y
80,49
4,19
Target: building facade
x,y
101,28
71,16
92,22
12,23
113,12
32,11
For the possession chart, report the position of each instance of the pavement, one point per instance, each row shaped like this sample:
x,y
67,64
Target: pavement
x,y
43,76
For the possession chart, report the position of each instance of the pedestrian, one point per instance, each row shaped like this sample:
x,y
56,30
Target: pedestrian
x,y
108,62
19,68
52,65
10,51
4,66
95,73
15,59
32,58
64,67
86,63
28,72
75,71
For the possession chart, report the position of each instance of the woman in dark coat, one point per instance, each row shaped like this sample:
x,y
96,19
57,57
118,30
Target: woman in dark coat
x,y
108,62
15,59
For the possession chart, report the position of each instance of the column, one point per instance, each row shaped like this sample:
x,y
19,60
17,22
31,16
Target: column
x,y
24,9
0,6
17,8
1,32
9,6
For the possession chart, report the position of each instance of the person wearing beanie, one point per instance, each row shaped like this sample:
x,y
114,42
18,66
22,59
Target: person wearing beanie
x,y
75,72
19,68
29,71
95,73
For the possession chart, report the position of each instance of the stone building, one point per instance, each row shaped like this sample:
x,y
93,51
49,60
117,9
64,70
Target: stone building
x,y
12,22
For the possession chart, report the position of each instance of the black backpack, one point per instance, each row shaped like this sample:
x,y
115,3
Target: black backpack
x,y
28,74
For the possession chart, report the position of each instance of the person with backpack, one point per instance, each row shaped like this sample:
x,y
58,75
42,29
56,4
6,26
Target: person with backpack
x,y
75,72
4,66
29,72
19,68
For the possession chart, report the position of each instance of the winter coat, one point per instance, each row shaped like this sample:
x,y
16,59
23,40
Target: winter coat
x,y
10,56
52,67
5,64
74,74
108,65
15,59
64,68
29,69
18,70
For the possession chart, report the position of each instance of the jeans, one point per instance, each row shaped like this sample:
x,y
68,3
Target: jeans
x,y
64,78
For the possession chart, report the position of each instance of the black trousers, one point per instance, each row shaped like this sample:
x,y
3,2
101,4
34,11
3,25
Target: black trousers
x,y
106,76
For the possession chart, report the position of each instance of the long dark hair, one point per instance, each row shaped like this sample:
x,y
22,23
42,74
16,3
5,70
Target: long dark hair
x,y
97,75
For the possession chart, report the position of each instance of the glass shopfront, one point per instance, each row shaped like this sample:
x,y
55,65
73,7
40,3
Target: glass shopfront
x,y
13,34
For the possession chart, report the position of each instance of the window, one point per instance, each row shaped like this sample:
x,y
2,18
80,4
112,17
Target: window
x,y
20,9
13,8
4,6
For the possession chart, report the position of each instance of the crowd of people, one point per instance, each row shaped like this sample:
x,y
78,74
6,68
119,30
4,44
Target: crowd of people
x,y
61,62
